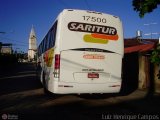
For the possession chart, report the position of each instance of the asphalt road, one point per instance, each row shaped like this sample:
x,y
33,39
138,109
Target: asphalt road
x,y
22,97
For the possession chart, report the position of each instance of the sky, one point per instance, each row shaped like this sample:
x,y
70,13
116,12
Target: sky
x,y
18,16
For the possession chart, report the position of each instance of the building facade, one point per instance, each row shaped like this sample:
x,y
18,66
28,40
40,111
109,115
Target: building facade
x,y
138,70
32,45
6,48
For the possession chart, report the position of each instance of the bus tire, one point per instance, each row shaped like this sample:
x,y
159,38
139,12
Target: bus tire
x,y
44,85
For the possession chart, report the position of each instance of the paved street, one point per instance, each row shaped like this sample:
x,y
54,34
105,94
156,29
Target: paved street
x,y
22,97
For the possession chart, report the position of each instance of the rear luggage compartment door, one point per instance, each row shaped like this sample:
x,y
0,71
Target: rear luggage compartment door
x,y
89,67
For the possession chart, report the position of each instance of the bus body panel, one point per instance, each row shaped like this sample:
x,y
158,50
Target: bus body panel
x,y
75,66
77,88
77,38
90,49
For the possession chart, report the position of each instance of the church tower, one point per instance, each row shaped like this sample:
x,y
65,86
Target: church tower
x,y
32,45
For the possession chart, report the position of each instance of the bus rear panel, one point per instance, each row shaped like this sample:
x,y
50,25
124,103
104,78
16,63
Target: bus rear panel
x,y
87,55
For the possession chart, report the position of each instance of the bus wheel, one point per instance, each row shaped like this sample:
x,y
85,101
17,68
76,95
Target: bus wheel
x,y
46,92
44,85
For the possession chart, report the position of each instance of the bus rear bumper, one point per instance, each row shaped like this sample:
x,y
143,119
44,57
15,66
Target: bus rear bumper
x,y
80,88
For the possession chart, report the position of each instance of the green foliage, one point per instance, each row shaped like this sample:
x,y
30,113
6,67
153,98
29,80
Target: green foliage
x,y
145,6
155,57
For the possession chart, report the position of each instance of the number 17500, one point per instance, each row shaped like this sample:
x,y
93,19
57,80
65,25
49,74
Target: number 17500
x,y
94,19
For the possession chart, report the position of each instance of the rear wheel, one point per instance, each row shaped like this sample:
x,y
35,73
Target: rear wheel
x,y
44,85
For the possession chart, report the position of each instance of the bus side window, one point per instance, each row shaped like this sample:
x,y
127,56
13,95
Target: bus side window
x,y
46,43
43,46
53,34
49,40
52,38
40,49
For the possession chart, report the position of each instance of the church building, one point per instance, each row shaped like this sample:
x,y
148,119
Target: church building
x,y
32,45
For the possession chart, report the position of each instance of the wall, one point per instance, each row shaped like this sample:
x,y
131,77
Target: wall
x,y
130,70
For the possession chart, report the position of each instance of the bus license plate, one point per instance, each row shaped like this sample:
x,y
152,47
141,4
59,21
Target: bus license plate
x,y
93,75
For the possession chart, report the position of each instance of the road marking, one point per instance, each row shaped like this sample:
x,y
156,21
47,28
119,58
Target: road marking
x,y
17,76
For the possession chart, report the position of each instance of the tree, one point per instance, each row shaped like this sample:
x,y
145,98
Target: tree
x,y
145,6
155,57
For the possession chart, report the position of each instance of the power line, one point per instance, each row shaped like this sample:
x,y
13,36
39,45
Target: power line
x,y
2,32
19,45
13,40
64,4
86,2
150,28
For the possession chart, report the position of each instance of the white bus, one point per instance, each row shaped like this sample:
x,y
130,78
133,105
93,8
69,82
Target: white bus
x,y
82,53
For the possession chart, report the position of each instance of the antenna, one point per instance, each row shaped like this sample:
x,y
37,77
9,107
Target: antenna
x,y
139,35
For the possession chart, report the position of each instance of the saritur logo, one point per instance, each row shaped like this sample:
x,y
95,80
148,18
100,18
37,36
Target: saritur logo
x,y
99,34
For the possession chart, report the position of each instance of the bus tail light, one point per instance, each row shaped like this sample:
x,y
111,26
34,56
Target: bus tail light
x,y
57,66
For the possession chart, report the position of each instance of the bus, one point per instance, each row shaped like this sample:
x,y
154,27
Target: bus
x,y
82,53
